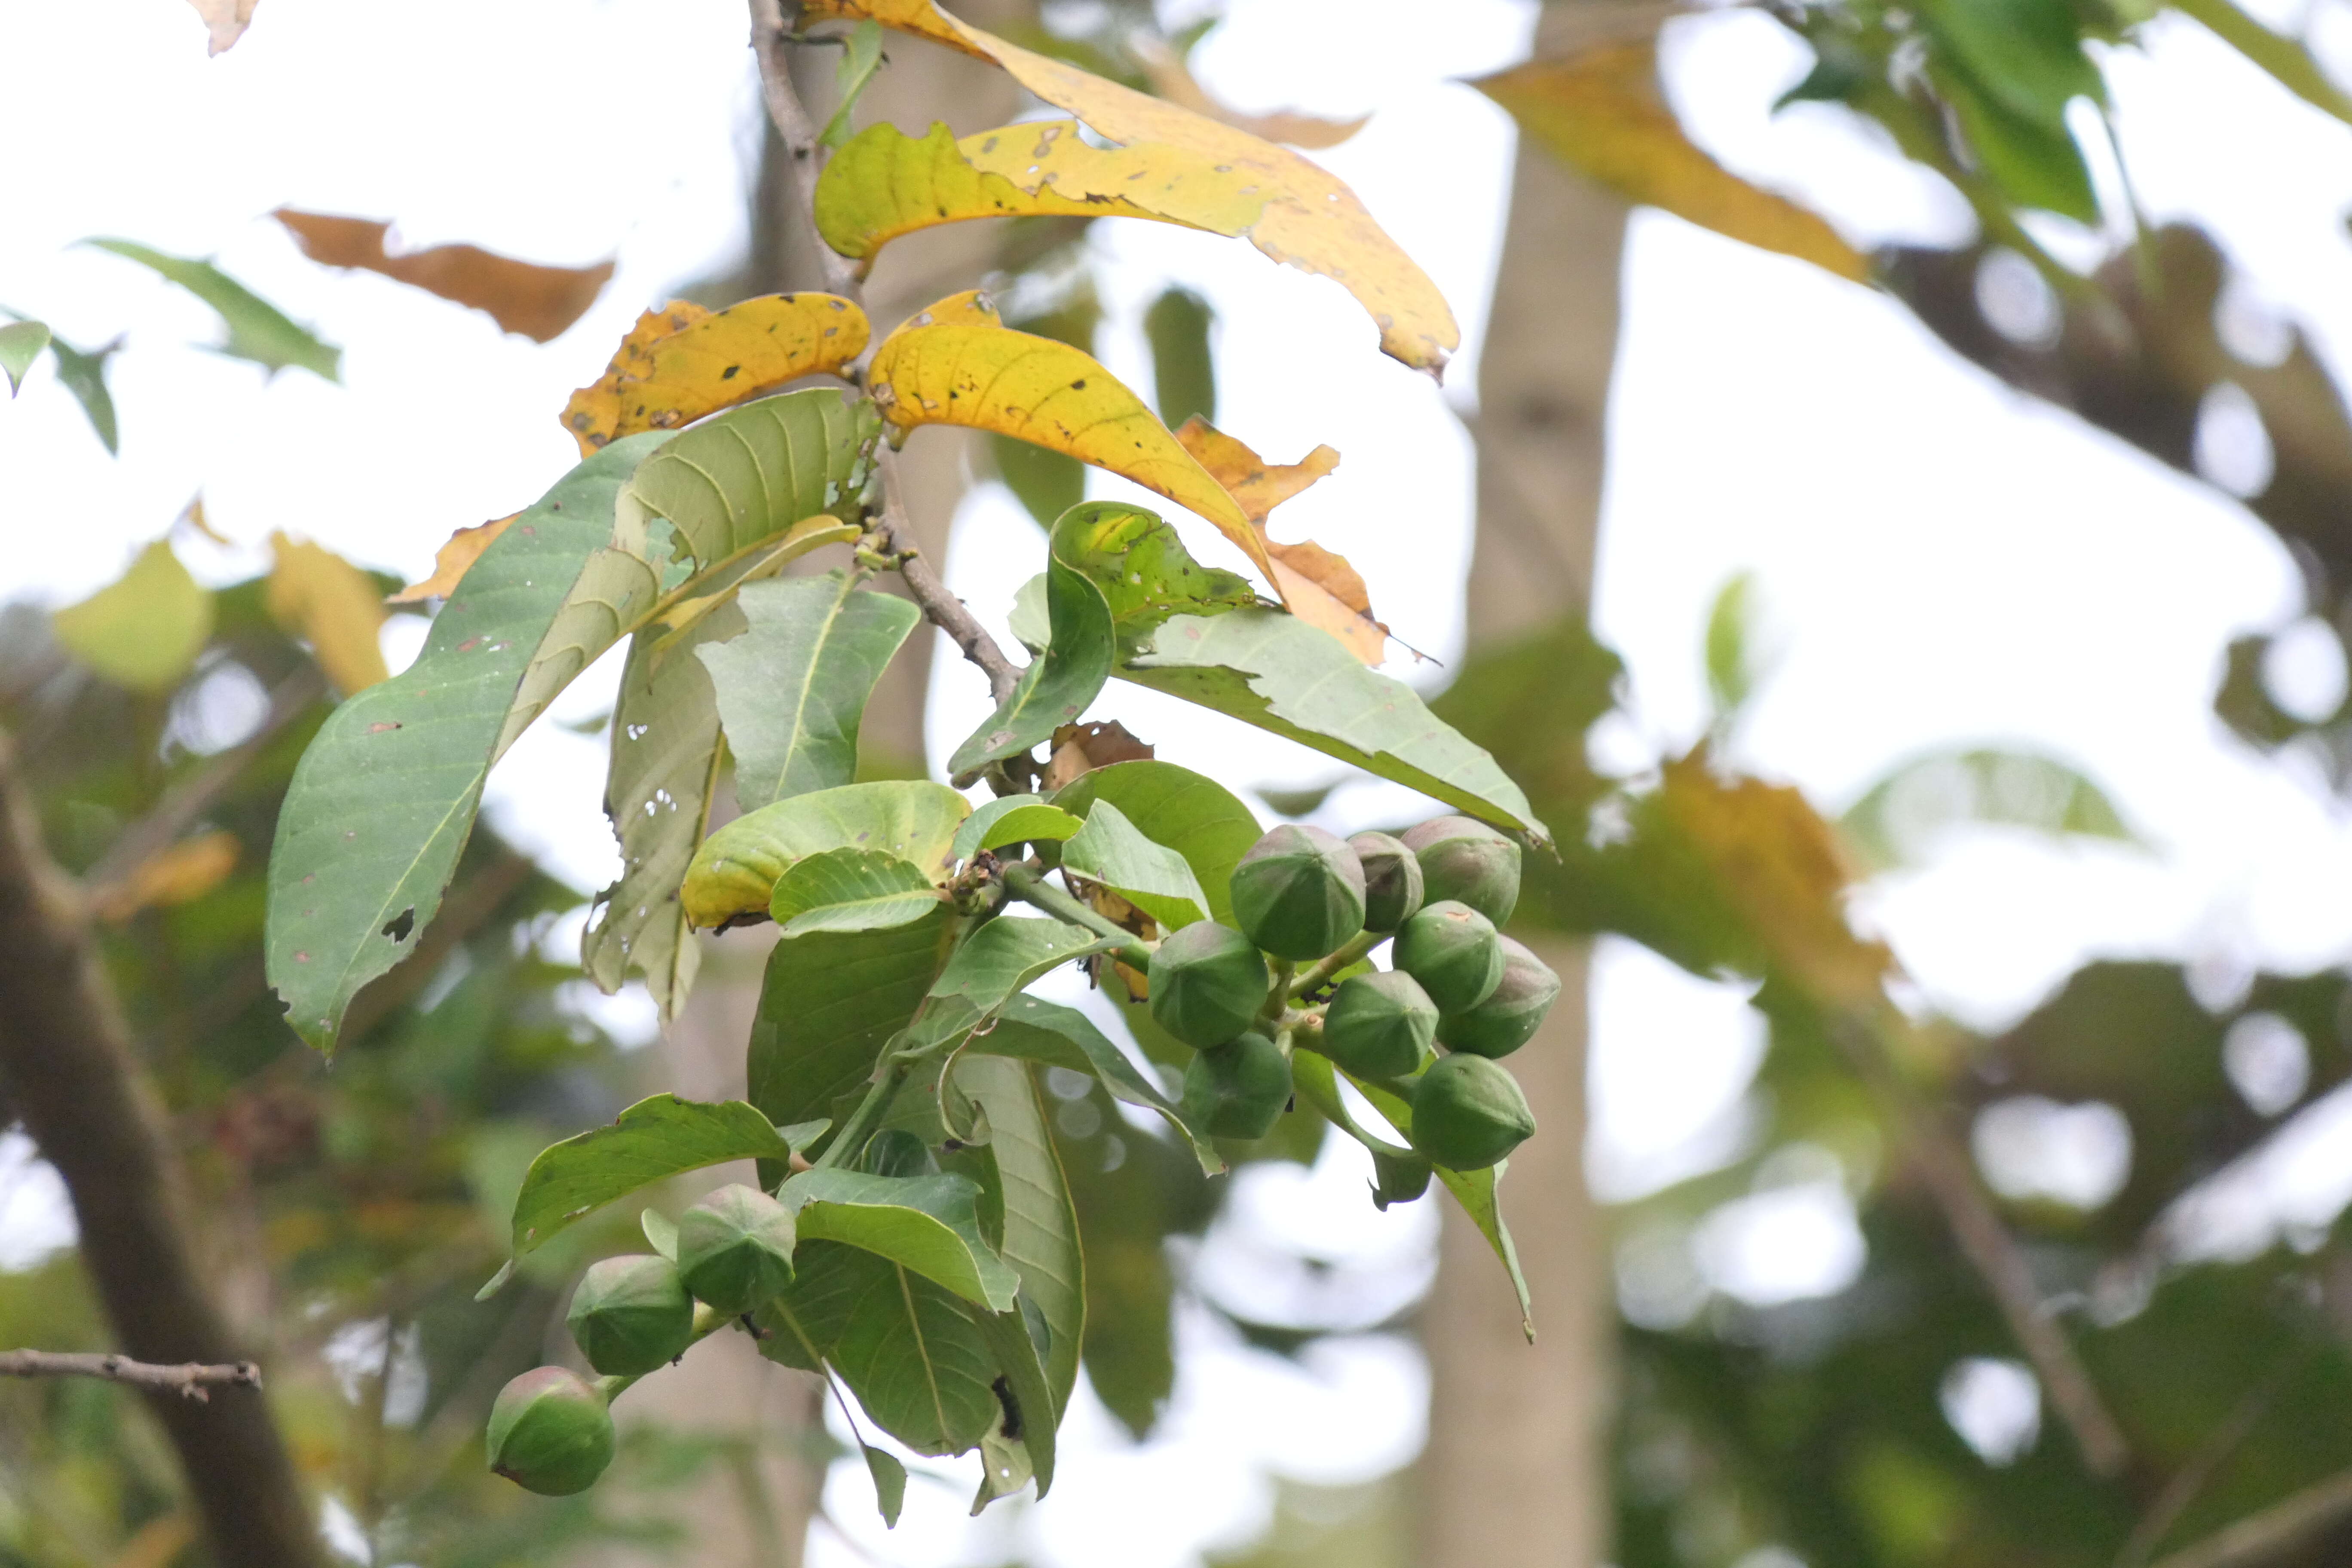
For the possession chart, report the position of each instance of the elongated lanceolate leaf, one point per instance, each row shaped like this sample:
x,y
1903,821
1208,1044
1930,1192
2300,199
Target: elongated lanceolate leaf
x,y
793,688
1013,819
851,889
1190,813
1059,684
1039,1231
886,184
1269,668
257,330
1153,877
734,874
650,1141
1040,1031
929,1225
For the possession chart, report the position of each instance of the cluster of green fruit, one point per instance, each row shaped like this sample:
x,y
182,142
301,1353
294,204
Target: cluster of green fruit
x,y
551,1430
1306,896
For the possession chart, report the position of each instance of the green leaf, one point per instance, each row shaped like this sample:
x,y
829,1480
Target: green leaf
x,y
1059,683
257,330
1268,669
2025,56
733,876
1037,1030
910,1349
1896,817
1013,819
666,756
1039,1228
890,1483
851,889
1154,879
144,629
793,689
1194,814
84,375
21,343
1731,672
384,799
661,1233
929,1224
1145,572
1183,370
652,1140
1001,958
2032,163
861,54
1021,1445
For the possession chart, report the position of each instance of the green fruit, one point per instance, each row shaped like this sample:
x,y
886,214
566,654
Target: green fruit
x,y
629,1315
735,1250
1468,1113
1239,1089
1378,1026
1399,1180
1208,983
550,1433
1468,862
1453,950
895,1152
1299,892
1392,884
1510,1015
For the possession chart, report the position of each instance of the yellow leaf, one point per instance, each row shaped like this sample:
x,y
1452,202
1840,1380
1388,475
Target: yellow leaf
x,y
661,381
194,518
145,629
226,20
1052,396
1598,112
319,597
972,308
184,872
465,547
1173,82
1311,219
1318,586
522,297
886,184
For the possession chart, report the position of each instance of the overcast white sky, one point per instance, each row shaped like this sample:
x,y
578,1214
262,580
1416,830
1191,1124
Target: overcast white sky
x,y
1942,562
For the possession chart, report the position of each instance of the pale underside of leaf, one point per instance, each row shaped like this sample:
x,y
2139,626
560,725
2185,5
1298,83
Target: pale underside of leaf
x,y
1311,220
1047,1033
1599,112
850,890
886,184
928,1224
650,1141
734,873
1112,851
715,361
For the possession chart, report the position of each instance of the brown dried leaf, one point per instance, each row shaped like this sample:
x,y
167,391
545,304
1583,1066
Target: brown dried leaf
x,y
186,871
660,381
316,594
1082,748
1172,80
449,562
522,297
226,20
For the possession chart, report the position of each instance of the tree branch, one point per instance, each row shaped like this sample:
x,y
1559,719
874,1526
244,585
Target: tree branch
x,y
2279,1534
804,157
70,1071
189,1380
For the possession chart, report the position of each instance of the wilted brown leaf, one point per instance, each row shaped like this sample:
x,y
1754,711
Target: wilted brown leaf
x,y
449,562
1172,80
1082,748
522,297
1311,220
1599,112
1318,585
226,20
316,594
186,871
659,380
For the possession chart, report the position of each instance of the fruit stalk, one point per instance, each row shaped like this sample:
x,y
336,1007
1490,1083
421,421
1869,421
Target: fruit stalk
x,y
1327,969
1025,883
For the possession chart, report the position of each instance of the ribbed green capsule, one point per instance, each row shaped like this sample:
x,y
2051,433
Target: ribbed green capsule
x,y
1393,883
1511,1014
1239,1089
735,1249
1453,950
1398,1180
1468,1113
1469,863
1378,1026
1208,983
630,1315
550,1432
1299,892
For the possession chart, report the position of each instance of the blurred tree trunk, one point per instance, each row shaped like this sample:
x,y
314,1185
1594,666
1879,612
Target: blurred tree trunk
x,y
1516,1471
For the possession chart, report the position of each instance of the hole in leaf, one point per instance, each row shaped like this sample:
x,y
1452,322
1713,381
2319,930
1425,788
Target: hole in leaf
x,y
400,925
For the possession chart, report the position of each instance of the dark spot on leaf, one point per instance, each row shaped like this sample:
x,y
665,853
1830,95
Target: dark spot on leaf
x,y
400,925
728,374
1003,1389
1079,384
469,644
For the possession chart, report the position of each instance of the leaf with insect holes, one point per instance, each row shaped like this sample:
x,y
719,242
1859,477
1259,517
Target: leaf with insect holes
x,y
1052,396
539,302
257,330
144,629
1599,112
661,381
1311,220
886,184
319,597
384,800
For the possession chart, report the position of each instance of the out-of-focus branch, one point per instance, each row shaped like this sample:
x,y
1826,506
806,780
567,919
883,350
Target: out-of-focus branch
x,y
188,1380
1943,1167
2279,1534
69,1071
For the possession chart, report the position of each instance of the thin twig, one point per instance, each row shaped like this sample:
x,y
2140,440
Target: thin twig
x,y
2278,1533
1990,1249
804,158
2192,1478
188,1380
